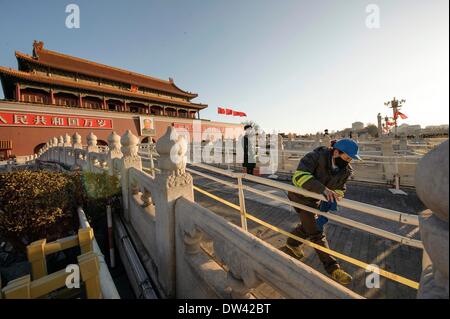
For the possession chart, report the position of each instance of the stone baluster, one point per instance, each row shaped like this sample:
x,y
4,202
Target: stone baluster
x,y
432,180
280,150
77,148
114,153
48,151
389,168
129,159
387,148
44,151
92,150
67,150
67,140
61,141
379,126
172,182
55,149
403,144
77,141
61,149
92,143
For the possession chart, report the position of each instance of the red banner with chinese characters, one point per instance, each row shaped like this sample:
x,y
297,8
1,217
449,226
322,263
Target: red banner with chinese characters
x,y
53,120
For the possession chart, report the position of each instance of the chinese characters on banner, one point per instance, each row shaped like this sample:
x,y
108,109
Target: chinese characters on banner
x,y
53,120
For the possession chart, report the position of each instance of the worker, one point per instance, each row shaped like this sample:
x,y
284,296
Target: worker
x,y
249,149
324,171
326,139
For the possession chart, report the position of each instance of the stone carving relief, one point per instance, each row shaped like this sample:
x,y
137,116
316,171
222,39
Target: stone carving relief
x,y
172,149
241,276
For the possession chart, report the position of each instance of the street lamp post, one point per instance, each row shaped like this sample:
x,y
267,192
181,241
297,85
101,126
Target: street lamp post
x,y
395,105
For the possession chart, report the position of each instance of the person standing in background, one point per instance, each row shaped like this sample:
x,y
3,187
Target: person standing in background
x,y
249,149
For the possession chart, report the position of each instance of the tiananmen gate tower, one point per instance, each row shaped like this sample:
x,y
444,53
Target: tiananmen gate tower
x,y
52,94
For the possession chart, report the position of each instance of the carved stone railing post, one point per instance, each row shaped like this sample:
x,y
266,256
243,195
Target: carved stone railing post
x,y
403,144
172,182
92,150
77,141
77,146
281,158
55,154
114,152
48,157
432,182
46,151
60,149
129,159
92,143
387,149
50,149
67,149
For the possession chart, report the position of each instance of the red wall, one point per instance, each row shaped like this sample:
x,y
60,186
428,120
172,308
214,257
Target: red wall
x,y
25,139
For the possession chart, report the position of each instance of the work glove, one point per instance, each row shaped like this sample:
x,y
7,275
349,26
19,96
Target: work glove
x,y
325,207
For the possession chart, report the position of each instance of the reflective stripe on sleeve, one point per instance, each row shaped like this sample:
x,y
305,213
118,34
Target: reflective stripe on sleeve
x,y
300,177
339,192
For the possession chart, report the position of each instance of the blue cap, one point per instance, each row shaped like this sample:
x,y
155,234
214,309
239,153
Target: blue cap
x,y
349,147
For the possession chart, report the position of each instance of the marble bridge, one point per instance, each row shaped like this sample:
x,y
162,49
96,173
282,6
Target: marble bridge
x,y
206,232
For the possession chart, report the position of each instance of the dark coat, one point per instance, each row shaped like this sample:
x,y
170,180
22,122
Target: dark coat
x,y
249,156
319,164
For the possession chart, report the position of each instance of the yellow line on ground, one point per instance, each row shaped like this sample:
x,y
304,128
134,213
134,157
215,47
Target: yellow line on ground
x,y
382,272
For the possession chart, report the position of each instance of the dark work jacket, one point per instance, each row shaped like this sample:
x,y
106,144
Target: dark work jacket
x,y
319,164
249,156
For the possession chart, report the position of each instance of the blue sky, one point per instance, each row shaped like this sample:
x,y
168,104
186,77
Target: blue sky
x,y
291,65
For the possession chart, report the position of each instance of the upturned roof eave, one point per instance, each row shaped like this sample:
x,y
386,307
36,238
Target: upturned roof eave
x,y
139,77
54,81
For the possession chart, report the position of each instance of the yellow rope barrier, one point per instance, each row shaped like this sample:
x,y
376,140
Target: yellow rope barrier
x,y
382,272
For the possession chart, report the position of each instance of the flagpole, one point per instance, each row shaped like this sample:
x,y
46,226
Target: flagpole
x,y
395,105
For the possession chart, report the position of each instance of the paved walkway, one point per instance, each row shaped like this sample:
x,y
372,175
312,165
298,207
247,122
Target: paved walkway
x,y
402,260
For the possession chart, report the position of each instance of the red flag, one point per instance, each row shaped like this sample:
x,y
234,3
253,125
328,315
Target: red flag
x,y
238,113
228,111
403,116
220,110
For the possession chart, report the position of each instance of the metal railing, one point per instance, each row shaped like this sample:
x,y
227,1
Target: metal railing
x,y
354,205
